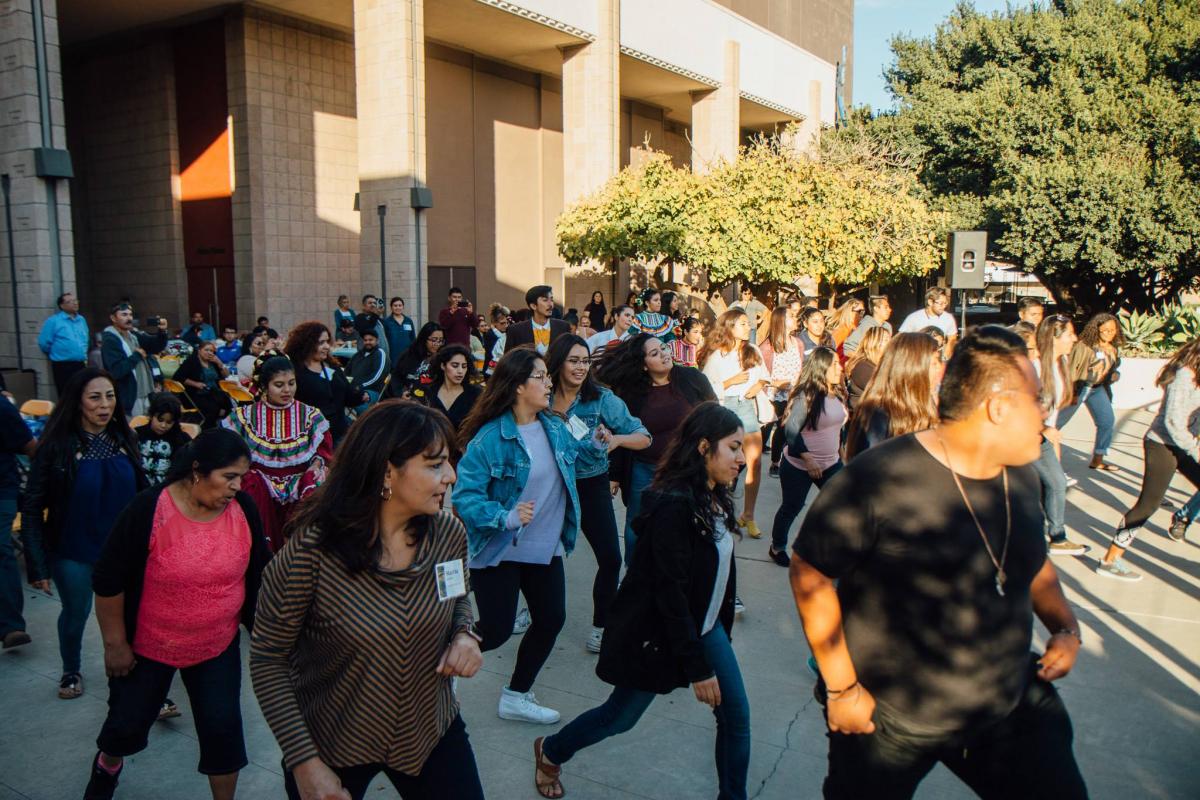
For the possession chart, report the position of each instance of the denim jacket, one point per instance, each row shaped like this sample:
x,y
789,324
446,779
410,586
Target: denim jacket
x,y
612,411
493,472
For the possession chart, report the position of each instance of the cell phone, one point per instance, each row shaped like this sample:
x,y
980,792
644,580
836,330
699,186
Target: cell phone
x,y
152,322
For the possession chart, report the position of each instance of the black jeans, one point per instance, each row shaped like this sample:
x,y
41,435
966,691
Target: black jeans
x,y
772,432
496,591
449,771
795,483
214,688
1162,461
1028,754
62,372
599,526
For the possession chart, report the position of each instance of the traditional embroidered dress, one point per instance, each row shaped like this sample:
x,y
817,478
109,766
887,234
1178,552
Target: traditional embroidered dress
x,y
289,448
659,326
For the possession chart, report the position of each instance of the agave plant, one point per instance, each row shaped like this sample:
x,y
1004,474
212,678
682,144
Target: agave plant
x,y
1182,322
1142,331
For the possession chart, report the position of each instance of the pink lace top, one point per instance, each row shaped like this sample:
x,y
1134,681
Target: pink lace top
x,y
195,585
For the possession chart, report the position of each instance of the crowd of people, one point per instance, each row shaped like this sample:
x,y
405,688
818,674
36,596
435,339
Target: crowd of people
x,y
345,513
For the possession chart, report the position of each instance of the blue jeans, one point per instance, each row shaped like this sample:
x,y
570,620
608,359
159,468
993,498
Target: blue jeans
x,y
624,707
1098,400
643,474
12,595
73,580
1188,513
795,483
1054,492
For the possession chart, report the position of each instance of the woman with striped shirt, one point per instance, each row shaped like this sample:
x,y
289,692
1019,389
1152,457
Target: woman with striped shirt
x,y
364,619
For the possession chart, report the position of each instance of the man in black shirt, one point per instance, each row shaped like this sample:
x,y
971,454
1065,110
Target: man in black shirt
x,y
935,539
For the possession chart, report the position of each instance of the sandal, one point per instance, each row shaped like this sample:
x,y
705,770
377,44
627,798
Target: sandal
x,y
70,686
1104,465
552,788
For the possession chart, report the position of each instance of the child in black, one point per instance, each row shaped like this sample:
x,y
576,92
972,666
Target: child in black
x,y
161,437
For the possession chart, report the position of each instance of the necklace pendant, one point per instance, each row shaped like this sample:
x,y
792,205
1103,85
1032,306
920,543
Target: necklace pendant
x,y
1000,579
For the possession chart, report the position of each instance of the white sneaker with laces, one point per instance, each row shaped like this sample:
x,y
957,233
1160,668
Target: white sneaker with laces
x,y
594,640
522,622
525,708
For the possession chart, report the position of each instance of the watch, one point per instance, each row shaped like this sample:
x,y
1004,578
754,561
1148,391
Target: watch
x,y
1070,632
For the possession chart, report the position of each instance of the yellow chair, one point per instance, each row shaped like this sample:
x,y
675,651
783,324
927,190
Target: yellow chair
x,y
175,387
139,421
37,408
237,392
190,428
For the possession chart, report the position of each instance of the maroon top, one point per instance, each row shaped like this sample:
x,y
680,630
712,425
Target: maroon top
x,y
457,324
662,413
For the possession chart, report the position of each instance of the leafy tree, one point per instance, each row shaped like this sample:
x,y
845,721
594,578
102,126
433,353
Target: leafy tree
x,y
1071,133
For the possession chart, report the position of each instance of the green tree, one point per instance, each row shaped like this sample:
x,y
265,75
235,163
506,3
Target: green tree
x,y
1070,132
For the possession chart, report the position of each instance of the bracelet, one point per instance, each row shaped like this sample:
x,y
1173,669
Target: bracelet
x,y
1070,632
842,694
835,692
471,632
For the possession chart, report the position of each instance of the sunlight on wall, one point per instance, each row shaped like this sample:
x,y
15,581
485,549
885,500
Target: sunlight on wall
x,y
335,164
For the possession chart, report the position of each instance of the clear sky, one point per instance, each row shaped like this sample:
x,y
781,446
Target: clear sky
x,y
876,22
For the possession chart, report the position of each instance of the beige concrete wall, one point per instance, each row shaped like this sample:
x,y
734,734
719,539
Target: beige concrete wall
x,y
296,234
40,277
122,134
494,138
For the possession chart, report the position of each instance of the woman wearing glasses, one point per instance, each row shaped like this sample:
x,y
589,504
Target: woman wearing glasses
x,y
593,412
516,495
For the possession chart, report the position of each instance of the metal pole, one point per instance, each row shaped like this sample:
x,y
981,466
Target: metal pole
x,y
6,186
417,258
382,210
963,325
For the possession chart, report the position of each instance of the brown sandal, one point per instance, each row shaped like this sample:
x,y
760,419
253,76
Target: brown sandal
x,y
553,788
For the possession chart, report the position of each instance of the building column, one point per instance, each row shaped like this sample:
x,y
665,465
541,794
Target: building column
x,y
808,132
389,60
34,163
716,116
591,84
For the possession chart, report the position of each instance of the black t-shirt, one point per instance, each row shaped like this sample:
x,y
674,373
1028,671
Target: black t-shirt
x,y
930,637
14,435
157,451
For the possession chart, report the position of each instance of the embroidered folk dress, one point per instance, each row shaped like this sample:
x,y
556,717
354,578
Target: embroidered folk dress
x,y
284,443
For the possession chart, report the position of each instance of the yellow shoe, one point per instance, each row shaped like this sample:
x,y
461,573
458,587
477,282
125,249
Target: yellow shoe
x,y
751,527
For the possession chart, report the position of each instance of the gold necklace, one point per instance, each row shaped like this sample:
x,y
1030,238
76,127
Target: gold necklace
x,y
1001,577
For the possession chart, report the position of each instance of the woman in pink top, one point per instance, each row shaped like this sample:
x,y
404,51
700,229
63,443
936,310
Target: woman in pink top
x,y
179,572
812,428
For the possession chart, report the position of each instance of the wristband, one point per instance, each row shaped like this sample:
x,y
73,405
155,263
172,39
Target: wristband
x,y
835,692
1070,632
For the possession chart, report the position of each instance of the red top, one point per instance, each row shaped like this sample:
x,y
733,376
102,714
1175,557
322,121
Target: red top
x,y
195,585
457,324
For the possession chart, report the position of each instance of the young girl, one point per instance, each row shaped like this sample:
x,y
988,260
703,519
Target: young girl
x,y
691,339
1095,364
813,431
735,369
671,623
902,395
652,320
782,357
516,495
159,438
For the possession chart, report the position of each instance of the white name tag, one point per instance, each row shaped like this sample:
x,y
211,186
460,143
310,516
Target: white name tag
x,y
579,428
451,581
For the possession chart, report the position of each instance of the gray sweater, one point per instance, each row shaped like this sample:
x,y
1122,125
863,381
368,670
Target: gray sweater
x,y
1178,420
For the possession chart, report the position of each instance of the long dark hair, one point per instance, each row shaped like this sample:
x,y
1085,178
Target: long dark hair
x,y
1090,335
1186,356
813,385
1054,371
899,390
556,359
500,394
210,450
411,358
64,420
624,368
442,357
683,469
344,510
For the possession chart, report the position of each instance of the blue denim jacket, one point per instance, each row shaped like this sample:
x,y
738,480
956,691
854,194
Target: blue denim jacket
x,y
493,472
612,411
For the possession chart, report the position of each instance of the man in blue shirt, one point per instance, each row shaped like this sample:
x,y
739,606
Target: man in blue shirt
x,y
64,339
198,331
231,346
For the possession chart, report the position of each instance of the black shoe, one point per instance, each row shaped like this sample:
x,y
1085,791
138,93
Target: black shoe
x,y
102,784
19,638
779,557
773,471
1176,531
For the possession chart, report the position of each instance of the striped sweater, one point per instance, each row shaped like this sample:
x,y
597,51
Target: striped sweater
x,y
343,664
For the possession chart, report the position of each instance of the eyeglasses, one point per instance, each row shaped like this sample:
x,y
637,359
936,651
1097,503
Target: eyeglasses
x,y
542,376
579,362
435,340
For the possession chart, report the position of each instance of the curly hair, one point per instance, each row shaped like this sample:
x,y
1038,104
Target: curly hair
x,y
1090,335
303,340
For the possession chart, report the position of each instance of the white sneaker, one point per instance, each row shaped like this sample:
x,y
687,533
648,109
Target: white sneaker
x,y
1072,482
594,640
522,622
525,708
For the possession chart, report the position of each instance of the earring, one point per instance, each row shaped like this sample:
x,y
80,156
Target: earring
x,y
386,492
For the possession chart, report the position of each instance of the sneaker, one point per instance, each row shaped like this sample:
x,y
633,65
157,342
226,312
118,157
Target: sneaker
x,y
168,711
1072,482
20,638
103,783
70,686
1066,547
595,638
1117,569
1176,531
525,708
522,622
739,607
780,557
773,471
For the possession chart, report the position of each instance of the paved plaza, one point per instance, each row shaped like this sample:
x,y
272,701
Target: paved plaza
x,y
1134,695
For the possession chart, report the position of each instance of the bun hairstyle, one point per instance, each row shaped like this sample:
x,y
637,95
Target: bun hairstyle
x,y
267,366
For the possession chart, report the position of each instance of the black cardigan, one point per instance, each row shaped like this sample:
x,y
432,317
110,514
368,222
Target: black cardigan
x,y
122,564
652,639
331,396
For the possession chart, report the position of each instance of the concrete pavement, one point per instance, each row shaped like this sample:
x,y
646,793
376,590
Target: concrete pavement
x,y
1134,695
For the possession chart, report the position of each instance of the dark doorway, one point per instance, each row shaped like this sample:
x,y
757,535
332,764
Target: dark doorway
x,y
440,281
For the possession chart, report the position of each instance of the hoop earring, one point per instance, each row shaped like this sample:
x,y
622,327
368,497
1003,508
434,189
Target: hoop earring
x,y
386,492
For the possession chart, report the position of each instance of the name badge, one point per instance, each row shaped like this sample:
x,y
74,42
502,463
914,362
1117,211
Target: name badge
x,y
451,581
579,428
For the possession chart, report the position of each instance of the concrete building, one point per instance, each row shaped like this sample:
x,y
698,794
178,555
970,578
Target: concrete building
x,y
247,159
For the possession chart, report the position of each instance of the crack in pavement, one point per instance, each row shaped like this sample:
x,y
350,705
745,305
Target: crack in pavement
x,y
787,745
